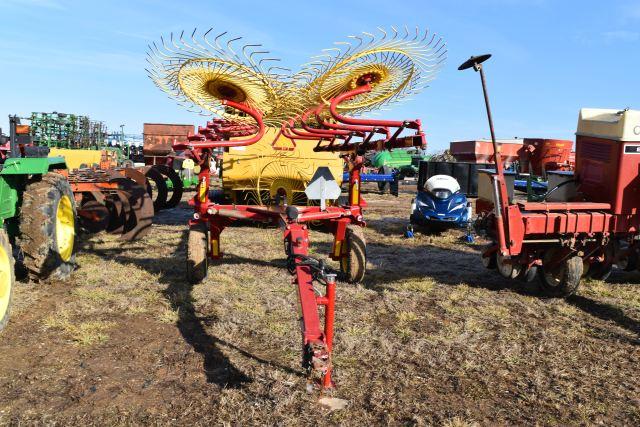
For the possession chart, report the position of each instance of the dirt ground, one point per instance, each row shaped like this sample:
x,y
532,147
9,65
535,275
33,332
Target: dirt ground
x,y
429,338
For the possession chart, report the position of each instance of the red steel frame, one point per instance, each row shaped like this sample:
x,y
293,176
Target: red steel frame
x,y
317,339
524,230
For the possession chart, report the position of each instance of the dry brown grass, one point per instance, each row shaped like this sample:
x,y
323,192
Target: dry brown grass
x,y
429,338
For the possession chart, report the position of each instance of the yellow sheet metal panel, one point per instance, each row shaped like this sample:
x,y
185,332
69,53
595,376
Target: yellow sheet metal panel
x,y
74,158
263,170
619,125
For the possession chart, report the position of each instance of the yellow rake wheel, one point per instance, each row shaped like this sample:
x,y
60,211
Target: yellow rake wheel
x,y
280,180
396,66
201,71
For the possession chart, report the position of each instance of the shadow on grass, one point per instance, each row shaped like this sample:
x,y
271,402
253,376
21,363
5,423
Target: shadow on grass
x,y
443,265
193,328
453,267
606,312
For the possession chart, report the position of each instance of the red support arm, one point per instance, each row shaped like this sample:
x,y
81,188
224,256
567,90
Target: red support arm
x,y
330,132
343,126
333,108
257,116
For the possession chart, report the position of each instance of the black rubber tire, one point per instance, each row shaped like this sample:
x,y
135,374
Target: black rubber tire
x,y
197,253
564,280
37,239
159,196
4,242
354,264
176,182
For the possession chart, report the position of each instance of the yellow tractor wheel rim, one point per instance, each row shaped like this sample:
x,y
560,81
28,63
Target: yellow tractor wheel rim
x,y
65,228
5,282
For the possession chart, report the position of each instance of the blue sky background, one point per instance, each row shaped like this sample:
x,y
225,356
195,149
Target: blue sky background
x,y
550,57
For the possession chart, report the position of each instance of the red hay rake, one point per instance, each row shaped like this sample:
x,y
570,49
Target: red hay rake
x,y
365,73
351,137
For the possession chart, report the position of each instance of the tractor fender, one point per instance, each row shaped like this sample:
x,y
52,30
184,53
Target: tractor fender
x,y
32,165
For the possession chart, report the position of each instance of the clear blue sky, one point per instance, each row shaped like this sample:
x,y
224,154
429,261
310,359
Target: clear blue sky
x,y
550,57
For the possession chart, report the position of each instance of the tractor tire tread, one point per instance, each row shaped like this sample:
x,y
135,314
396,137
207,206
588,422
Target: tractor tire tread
x,y
37,228
357,254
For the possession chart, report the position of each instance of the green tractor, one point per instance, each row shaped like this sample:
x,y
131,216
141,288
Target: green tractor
x,y
37,215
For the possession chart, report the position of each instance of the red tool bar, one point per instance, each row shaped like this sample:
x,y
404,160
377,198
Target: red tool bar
x,y
291,134
315,133
332,132
329,317
311,330
550,223
333,108
257,116
344,126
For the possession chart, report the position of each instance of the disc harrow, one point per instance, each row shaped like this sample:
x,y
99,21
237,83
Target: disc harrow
x,y
113,200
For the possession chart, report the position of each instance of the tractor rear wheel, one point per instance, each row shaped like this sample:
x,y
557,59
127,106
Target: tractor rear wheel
x,y
563,279
48,228
7,278
197,253
354,262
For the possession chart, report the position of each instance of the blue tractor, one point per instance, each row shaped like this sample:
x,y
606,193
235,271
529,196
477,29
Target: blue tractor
x,y
440,205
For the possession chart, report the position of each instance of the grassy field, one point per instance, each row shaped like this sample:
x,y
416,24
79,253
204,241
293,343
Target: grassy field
x,y
429,338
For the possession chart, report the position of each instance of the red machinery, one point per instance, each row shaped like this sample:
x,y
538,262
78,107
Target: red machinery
x,y
538,156
159,138
481,151
565,240
344,221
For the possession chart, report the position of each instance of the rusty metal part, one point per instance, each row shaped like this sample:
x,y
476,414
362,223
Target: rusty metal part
x,y
159,138
116,200
118,205
139,215
93,216
177,187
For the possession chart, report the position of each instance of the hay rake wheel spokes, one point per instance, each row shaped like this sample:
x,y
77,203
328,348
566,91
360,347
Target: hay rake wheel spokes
x,y
201,74
396,66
